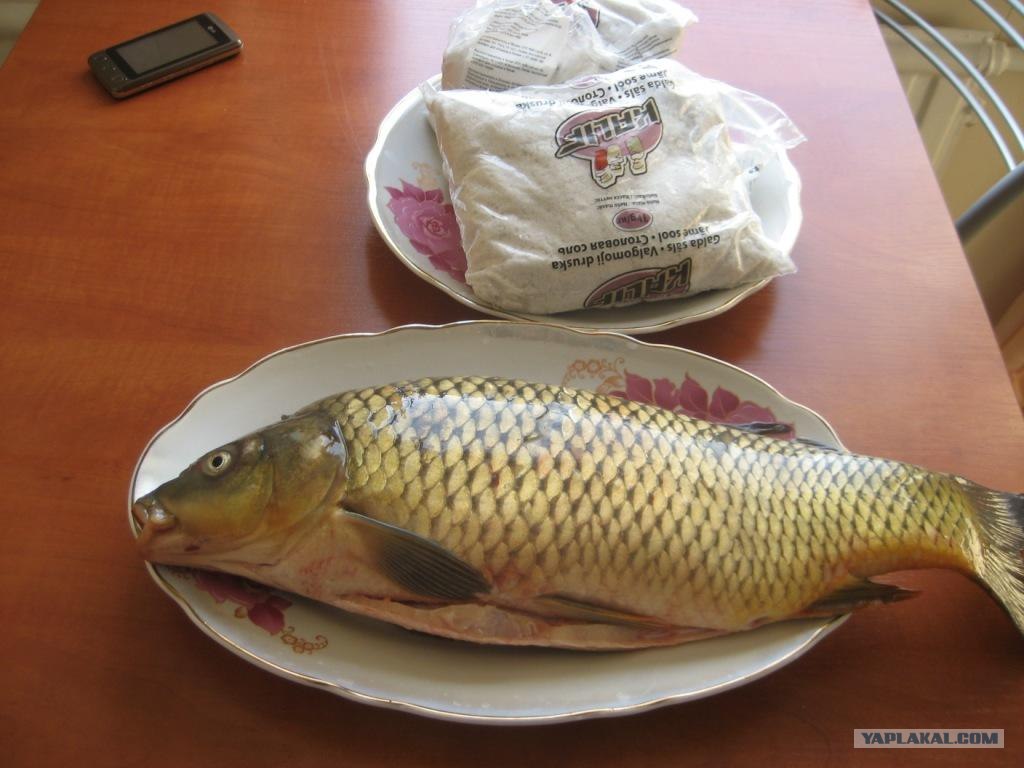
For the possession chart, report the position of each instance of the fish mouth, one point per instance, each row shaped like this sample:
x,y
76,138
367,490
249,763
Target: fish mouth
x,y
151,518
161,539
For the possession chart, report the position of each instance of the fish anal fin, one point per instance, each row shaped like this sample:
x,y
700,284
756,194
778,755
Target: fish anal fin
x,y
575,609
856,593
415,563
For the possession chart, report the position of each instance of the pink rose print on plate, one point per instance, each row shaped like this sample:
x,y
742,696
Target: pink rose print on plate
x,y
429,223
260,605
692,399
255,602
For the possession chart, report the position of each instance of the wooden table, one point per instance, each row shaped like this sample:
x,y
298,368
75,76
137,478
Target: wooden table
x,y
153,246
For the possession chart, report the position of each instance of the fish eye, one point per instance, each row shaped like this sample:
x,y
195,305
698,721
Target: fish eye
x,y
216,463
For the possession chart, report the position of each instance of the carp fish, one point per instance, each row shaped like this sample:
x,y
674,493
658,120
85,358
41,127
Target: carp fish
x,y
500,511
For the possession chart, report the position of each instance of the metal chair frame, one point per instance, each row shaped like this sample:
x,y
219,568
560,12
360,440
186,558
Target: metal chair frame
x,y
1012,184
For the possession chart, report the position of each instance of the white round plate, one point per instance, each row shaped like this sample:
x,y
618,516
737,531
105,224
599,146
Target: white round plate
x,y
382,664
407,186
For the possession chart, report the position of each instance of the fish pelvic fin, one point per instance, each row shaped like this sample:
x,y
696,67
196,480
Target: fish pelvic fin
x,y
856,593
575,609
999,563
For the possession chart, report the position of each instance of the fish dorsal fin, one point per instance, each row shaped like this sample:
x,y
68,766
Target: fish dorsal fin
x,y
816,444
779,428
856,593
764,427
575,609
418,564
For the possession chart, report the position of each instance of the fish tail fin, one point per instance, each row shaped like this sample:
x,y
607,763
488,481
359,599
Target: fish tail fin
x,y
999,522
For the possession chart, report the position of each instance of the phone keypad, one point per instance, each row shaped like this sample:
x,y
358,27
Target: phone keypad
x,y
105,66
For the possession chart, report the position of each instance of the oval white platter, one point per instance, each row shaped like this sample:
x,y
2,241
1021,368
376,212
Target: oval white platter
x,y
381,664
407,185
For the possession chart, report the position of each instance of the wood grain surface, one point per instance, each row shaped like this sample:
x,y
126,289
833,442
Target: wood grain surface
x,y
153,246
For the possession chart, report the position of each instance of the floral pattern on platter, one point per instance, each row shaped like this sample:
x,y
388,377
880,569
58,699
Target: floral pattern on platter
x,y
429,222
597,375
259,604
689,397
427,175
301,645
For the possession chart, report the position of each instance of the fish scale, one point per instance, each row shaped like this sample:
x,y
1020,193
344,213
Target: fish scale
x,y
480,467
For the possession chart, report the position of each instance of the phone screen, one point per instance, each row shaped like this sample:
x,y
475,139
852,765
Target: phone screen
x,y
165,46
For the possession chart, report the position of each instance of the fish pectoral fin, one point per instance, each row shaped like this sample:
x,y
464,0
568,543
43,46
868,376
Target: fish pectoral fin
x,y
574,609
416,563
856,593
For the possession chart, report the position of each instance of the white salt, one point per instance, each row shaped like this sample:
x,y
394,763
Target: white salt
x,y
609,190
502,44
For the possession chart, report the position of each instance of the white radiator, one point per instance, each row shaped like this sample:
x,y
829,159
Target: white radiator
x,y
940,111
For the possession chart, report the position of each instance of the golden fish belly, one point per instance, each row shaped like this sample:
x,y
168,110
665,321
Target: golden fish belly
x,y
547,491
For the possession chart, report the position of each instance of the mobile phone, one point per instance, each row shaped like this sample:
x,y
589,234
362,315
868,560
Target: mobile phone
x,y
164,54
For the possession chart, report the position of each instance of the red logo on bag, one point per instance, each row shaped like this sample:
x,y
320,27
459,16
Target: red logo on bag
x,y
612,140
651,284
631,219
